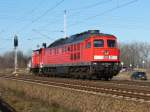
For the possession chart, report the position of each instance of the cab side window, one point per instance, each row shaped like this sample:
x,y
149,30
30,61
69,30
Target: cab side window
x,y
88,45
99,43
111,43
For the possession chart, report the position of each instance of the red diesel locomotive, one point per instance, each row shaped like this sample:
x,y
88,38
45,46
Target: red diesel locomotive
x,y
85,55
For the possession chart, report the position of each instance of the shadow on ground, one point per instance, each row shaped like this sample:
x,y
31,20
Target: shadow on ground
x,y
5,107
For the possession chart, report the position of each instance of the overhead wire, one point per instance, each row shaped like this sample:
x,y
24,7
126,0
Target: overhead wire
x,y
36,31
35,8
91,5
31,11
48,10
39,2
103,13
42,15
107,11
79,10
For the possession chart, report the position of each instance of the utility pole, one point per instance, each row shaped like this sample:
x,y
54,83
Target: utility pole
x,y
143,62
65,24
15,51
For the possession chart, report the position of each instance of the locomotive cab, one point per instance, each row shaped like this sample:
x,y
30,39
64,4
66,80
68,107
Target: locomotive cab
x,y
105,58
105,49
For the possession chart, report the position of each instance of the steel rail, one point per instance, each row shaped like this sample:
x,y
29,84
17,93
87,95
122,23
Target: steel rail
x,y
136,94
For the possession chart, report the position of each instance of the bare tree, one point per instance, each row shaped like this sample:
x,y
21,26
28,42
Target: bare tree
x,y
135,53
7,60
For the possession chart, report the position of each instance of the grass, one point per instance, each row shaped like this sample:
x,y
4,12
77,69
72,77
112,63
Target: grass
x,y
27,97
36,98
126,75
23,103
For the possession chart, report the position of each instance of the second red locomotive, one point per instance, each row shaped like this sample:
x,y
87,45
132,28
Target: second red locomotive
x,y
85,55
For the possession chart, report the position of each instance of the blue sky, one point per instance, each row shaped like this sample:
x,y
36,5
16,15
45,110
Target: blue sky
x,y
38,21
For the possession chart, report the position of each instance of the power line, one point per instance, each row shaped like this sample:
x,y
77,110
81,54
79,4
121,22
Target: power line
x,y
47,11
35,8
103,13
51,22
42,15
44,35
91,5
112,9
31,11
25,13
82,8
79,10
65,24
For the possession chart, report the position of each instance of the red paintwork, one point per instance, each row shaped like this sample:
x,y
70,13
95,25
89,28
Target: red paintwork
x,y
62,54
35,59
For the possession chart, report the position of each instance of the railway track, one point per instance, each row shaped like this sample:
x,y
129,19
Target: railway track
x,y
141,84
135,92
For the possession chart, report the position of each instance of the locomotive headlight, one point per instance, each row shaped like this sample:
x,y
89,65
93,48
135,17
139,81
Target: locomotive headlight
x,y
41,65
113,57
94,63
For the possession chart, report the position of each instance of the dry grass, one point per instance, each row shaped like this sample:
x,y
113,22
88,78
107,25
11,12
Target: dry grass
x,y
126,75
148,73
73,99
123,76
23,103
4,71
10,71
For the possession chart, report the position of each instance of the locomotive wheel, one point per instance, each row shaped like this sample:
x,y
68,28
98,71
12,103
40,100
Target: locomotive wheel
x,y
106,78
83,77
110,77
89,77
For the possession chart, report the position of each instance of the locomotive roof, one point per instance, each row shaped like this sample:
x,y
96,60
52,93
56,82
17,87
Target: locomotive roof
x,y
77,38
